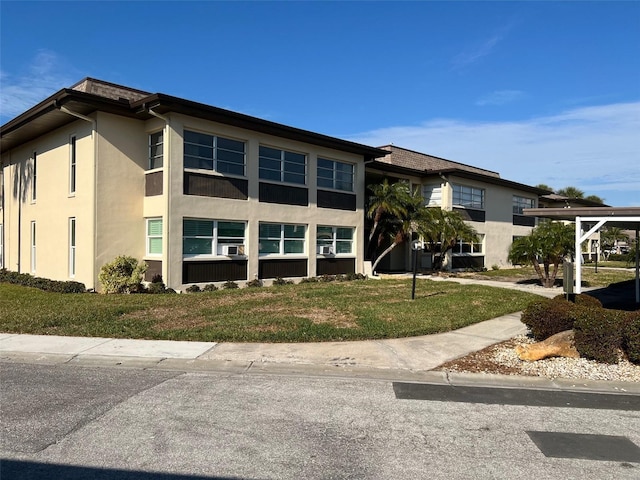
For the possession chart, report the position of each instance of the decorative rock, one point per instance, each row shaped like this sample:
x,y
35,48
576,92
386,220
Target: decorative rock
x,y
558,345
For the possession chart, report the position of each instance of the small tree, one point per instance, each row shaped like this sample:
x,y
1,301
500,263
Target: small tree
x,y
122,275
444,229
548,244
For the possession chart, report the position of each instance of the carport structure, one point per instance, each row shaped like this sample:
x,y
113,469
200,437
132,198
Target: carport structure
x,y
593,219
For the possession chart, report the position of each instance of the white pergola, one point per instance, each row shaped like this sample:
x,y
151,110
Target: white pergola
x,y
627,218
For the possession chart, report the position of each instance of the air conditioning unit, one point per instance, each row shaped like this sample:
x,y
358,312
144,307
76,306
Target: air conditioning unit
x,y
325,250
231,250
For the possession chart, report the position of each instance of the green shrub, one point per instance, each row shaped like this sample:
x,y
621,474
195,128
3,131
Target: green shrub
x,y
254,283
45,284
309,280
210,288
631,337
548,317
229,284
599,333
123,275
282,281
581,299
193,289
156,287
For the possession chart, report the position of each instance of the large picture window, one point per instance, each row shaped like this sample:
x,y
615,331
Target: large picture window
x,y
469,248
334,240
520,203
156,150
281,239
336,175
282,166
212,238
209,152
468,197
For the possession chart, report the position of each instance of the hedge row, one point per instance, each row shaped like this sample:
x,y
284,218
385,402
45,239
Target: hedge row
x,y
600,334
45,284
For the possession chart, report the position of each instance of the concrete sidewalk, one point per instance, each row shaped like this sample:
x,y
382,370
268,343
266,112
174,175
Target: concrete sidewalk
x,y
411,358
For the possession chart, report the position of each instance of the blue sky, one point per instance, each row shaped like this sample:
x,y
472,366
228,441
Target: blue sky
x,y
541,92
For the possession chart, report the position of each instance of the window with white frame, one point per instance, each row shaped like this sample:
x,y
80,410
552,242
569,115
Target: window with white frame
x,y
432,195
72,164
469,248
34,169
334,240
72,247
468,197
209,152
154,236
336,175
282,166
520,203
281,239
156,150
33,246
201,237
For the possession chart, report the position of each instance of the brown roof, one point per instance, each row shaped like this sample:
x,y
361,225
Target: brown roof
x,y
402,157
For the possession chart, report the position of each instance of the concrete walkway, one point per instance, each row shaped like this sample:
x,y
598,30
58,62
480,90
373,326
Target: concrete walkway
x,y
410,358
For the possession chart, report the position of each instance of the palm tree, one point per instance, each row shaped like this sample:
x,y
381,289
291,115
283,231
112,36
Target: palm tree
x,y
387,199
610,236
548,244
571,192
445,228
399,227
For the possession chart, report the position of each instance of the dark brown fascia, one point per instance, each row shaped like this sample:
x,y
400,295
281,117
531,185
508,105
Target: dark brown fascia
x,y
161,103
386,167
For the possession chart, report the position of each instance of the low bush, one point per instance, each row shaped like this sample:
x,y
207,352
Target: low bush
x,y
254,283
581,299
157,285
210,288
282,281
599,333
123,275
192,289
631,337
27,280
548,317
229,285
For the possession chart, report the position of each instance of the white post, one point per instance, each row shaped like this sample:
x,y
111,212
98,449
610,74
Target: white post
x,y
578,256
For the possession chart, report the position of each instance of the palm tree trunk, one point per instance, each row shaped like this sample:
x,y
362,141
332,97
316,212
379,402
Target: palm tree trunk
x,y
387,250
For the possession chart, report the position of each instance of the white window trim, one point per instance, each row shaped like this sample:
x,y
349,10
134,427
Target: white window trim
x,y
281,253
335,240
34,171
73,164
149,169
73,236
215,244
149,237
33,246
459,253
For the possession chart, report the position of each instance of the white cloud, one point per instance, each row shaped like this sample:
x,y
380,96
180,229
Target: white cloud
x,y
43,76
476,52
499,97
595,148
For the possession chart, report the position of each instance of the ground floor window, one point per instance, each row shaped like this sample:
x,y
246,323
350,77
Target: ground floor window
x,y
33,247
212,238
334,240
281,239
462,247
72,247
154,236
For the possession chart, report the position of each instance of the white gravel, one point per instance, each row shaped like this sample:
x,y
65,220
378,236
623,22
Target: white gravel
x,y
558,367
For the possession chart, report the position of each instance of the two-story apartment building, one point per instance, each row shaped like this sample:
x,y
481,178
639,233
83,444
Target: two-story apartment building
x,y
202,194
489,203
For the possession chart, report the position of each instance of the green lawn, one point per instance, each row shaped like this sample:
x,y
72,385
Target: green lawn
x,y
289,313
590,278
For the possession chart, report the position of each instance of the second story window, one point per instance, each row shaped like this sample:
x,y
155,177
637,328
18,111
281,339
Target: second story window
x,y
156,150
520,203
34,167
336,175
72,164
468,197
208,152
282,166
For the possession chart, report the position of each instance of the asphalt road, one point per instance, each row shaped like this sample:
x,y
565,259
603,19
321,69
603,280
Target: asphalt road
x,y
75,422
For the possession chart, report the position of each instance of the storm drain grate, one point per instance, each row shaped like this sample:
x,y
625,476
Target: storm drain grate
x,y
586,446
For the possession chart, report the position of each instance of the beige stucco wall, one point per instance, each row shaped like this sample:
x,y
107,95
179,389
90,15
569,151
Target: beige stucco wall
x,y
54,204
251,210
